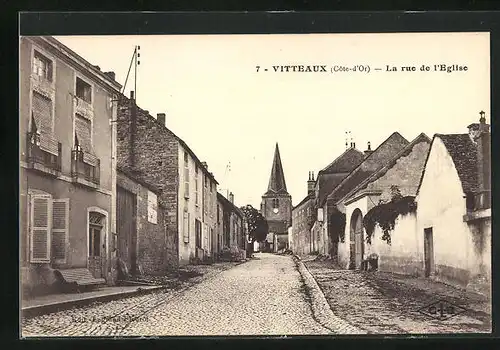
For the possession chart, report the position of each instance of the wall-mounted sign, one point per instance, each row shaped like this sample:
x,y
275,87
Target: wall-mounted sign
x,y
320,214
152,207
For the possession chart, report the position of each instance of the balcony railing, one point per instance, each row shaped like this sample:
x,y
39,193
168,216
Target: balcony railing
x,y
80,170
40,159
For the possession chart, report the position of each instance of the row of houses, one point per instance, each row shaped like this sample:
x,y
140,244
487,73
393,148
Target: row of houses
x,y
106,188
420,208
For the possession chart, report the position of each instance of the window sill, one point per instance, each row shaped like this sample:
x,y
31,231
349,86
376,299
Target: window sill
x,y
43,169
83,182
477,215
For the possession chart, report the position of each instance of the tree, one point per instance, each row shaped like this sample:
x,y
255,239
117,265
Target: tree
x,y
257,224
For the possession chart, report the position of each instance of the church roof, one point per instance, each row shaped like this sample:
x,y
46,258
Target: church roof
x,y
277,179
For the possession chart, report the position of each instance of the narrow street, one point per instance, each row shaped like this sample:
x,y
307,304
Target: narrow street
x,y
262,296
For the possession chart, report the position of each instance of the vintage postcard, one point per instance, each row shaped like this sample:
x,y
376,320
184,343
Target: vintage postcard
x,y
273,185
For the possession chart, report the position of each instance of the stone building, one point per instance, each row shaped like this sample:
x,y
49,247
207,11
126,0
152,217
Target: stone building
x,y
152,153
454,209
328,178
403,171
276,205
302,220
67,166
233,228
335,202
141,226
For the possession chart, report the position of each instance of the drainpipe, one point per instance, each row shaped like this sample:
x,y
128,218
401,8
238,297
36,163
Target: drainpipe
x,y
111,251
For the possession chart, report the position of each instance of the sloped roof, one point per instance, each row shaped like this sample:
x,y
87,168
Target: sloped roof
x,y
378,158
464,155
306,198
382,171
277,179
125,101
228,205
328,182
331,175
344,163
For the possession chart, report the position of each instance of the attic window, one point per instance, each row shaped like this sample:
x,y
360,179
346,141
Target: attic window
x,y
83,90
42,66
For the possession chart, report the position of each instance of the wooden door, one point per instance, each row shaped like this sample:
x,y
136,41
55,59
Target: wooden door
x,y
428,251
359,241
126,228
96,250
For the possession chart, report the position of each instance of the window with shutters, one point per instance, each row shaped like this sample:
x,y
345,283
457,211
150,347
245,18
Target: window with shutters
x,y
42,148
185,227
42,113
196,184
198,233
85,164
60,227
83,131
40,208
186,182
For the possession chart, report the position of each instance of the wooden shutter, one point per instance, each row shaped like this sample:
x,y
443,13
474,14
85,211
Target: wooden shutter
x,y
40,227
185,227
186,182
42,112
83,128
60,227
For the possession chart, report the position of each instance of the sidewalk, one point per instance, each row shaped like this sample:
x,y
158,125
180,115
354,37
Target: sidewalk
x,y
385,303
57,302
188,275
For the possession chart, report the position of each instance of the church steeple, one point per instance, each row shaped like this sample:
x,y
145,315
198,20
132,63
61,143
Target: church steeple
x,y
277,179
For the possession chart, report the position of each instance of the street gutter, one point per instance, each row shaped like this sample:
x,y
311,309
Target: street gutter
x,y
320,307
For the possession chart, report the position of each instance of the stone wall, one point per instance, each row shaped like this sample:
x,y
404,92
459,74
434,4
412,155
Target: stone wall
x,y
151,243
149,151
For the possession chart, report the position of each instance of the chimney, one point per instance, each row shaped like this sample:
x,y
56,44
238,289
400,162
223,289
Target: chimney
x,y
368,150
481,137
231,197
161,118
310,183
132,95
204,165
97,67
111,75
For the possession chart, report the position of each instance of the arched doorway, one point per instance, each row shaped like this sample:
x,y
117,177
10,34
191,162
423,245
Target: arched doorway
x,y
96,243
356,239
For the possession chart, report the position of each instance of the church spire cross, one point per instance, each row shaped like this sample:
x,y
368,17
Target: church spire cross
x,y
277,179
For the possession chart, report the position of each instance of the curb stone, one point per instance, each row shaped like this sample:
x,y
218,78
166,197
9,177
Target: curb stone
x,y
320,307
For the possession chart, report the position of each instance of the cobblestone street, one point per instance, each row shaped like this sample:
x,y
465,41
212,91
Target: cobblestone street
x,y
388,303
263,296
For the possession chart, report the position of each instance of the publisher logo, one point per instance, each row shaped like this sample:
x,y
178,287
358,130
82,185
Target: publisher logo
x,y
441,310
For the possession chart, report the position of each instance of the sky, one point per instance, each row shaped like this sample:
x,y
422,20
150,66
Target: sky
x,y
228,113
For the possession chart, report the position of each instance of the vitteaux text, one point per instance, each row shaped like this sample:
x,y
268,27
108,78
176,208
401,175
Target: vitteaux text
x,y
298,68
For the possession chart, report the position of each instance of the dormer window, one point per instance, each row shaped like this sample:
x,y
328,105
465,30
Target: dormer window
x,y
42,66
83,90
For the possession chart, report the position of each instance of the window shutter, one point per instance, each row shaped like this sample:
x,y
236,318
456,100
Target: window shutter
x,y
83,128
42,111
186,182
40,226
186,227
60,227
